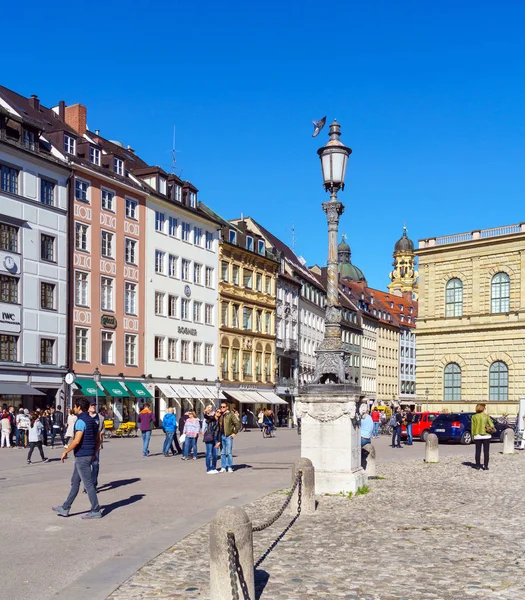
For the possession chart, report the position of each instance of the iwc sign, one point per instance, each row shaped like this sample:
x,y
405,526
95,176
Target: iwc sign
x,y
10,318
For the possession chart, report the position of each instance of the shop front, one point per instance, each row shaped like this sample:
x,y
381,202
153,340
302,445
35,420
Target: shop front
x,y
251,401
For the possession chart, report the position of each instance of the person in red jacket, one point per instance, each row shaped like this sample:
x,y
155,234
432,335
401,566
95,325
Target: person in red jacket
x,y
146,422
375,418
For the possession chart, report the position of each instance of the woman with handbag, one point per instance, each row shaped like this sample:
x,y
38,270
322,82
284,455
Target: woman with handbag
x,y
211,438
482,429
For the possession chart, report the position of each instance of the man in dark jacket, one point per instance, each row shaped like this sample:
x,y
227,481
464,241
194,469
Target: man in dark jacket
x,y
57,425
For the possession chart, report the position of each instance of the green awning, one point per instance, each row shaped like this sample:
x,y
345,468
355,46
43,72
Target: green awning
x,y
138,390
115,389
88,387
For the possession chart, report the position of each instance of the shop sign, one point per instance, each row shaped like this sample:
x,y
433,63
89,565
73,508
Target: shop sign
x,y
108,321
10,318
187,331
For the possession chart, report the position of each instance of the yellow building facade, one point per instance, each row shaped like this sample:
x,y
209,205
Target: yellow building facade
x,y
387,362
471,329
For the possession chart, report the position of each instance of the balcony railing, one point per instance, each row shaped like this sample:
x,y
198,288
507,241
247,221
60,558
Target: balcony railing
x,y
470,236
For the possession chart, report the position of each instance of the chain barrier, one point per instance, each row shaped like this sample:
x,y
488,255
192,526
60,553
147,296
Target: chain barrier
x,y
233,567
297,482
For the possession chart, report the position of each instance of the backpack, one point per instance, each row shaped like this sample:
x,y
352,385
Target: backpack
x,y
393,421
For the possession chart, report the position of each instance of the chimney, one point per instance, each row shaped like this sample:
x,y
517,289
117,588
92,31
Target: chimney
x,y
34,102
76,116
62,110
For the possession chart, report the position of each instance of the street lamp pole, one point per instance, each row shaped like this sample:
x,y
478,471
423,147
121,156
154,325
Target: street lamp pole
x,y
96,379
218,388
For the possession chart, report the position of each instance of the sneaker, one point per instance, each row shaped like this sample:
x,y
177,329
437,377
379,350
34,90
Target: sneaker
x,y
92,515
184,458
28,462
61,511
45,460
194,458
230,470
212,472
166,454
222,471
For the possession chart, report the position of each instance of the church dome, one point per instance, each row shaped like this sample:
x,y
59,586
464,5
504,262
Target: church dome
x,y
347,270
404,243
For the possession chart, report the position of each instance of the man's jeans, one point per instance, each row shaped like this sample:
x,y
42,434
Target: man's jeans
x,y
60,432
190,444
95,468
146,435
365,441
21,437
82,473
167,442
375,433
211,456
226,452
396,436
409,433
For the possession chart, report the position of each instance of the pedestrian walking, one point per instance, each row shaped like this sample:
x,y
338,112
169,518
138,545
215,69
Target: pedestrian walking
x,y
35,437
57,425
12,419
191,432
44,419
6,430
245,421
375,420
146,422
85,445
228,427
260,418
169,424
23,423
99,419
409,419
211,437
395,422
70,430
482,428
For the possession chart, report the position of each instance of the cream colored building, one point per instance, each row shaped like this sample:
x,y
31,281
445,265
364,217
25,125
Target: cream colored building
x,y
471,328
387,360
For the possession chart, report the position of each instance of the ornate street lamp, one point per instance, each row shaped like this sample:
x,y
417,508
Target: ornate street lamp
x,y
96,379
330,363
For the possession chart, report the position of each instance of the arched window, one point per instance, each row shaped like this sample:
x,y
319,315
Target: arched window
x,y
498,381
452,382
500,293
454,298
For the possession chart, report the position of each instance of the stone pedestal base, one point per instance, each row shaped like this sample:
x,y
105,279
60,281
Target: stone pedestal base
x,y
331,439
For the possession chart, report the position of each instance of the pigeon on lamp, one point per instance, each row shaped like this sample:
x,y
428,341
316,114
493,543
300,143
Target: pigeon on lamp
x,y
318,125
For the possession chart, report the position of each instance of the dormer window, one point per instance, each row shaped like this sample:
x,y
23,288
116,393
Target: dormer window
x,y
29,139
94,155
162,185
249,243
233,236
69,144
260,247
193,199
118,166
177,193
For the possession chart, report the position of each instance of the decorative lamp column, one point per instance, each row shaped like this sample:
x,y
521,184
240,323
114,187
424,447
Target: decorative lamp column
x,y
96,379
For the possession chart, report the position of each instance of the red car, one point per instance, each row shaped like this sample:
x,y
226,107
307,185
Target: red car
x,y
421,423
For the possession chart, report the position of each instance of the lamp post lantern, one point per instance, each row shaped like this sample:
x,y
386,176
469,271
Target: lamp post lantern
x,y
330,363
96,379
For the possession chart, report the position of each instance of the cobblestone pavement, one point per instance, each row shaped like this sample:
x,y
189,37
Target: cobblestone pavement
x,y
439,532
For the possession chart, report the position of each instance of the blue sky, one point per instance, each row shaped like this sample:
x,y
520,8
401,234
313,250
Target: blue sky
x,y
430,97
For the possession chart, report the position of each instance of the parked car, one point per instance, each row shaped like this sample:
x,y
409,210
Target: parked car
x,y
420,425
456,427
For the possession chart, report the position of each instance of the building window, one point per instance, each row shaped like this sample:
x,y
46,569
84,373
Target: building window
x,y
107,200
249,243
130,344
8,348
81,190
247,364
197,312
81,344
193,199
208,354
131,251
172,306
233,236
235,277
47,248
258,365
9,179
94,155
208,314
224,314
47,192
260,247
106,244
81,237
268,284
248,279
498,381
452,383
186,228
118,166
197,352
209,240
81,288
197,236
185,351
172,349
454,298
500,293
209,277
197,273
131,209
159,304
29,139
107,348
235,316
235,364
47,295
258,321
130,298
159,347
69,144
258,282
185,270
159,221
267,322
173,270
9,289
106,293
8,238
224,363
47,351
247,318
159,262
224,271
185,309
173,225
177,193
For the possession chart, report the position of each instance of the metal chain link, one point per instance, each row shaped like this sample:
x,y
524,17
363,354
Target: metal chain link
x,y
233,568
297,482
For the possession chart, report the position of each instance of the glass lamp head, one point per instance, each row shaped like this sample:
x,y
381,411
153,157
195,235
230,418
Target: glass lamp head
x,y
334,159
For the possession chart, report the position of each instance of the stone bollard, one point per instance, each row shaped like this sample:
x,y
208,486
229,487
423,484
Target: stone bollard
x,y
308,487
369,460
508,441
432,449
237,521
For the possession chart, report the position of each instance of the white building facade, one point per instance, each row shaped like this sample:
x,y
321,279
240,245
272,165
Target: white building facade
x,y
369,358
312,306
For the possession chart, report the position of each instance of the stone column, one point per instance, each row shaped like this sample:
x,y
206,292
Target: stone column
x,y
331,439
508,441
432,449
